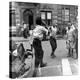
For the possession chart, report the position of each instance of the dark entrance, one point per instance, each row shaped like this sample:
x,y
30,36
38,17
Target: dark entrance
x,y
30,21
28,17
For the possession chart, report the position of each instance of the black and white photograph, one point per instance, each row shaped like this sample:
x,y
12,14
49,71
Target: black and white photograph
x,y
43,40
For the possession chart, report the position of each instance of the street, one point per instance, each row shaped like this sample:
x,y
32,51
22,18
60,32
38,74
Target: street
x,y
56,66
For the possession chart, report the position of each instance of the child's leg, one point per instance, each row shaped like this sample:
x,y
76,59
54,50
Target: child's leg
x,y
69,52
72,52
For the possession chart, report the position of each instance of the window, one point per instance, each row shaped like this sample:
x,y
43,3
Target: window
x,y
43,16
65,15
46,17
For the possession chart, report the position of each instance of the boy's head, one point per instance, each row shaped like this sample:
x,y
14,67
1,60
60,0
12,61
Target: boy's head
x,y
38,21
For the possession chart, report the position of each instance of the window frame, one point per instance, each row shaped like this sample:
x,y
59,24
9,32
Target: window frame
x,y
64,19
47,21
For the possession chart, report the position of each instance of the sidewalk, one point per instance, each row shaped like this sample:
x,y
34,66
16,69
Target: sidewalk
x,y
25,41
20,39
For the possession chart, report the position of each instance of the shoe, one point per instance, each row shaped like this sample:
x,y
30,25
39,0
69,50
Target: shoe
x,y
69,56
76,58
52,53
35,73
43,65
53,56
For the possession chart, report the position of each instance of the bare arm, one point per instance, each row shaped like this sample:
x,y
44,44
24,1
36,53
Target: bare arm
x,y
44,29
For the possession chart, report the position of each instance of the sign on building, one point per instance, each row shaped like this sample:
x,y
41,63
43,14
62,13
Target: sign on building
x,y
48,15
42,15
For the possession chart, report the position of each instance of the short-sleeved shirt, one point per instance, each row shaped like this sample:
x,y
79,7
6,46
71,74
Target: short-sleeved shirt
x,y
70,34
38,31
53,31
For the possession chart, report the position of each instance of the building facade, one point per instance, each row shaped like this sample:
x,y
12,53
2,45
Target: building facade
x,y
51,14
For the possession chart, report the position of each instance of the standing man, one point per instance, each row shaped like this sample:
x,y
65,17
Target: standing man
x,y
38,36
53,42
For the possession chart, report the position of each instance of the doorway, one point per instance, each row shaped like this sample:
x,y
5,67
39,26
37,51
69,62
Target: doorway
x,y
28,18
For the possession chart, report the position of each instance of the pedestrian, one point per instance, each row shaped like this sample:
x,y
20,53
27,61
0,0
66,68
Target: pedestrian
x,y
26,30
38,36
70,40
76,45
53,43
75,35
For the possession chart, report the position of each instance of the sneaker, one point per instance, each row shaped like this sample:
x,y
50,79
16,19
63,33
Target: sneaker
x,y
53,56
43,65
69,56
52,53
35,73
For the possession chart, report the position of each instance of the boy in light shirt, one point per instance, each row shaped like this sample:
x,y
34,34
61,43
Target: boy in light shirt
x,y
53,42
